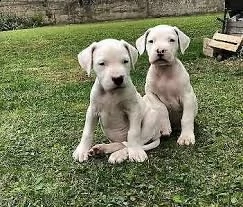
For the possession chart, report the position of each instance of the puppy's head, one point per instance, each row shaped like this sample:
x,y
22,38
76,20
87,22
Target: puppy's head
x,y
111,60
161,43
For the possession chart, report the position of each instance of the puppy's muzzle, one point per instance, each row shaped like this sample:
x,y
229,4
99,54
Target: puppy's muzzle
x,y
160,53
118,80
161,59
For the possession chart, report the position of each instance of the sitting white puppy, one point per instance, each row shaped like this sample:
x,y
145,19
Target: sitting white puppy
x,y
126,119
167,82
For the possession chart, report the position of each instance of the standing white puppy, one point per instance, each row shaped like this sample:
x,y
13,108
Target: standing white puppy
x,y
168,83
127,121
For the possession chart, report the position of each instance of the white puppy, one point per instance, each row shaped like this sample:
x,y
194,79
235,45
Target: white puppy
x,y
168,83
127,121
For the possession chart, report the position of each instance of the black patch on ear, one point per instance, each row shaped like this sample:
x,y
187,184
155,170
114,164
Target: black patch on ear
x,y
145,42
92,51
130,56
178,37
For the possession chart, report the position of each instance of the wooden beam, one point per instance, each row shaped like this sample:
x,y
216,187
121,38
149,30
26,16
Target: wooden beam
x,y
223,45
227,38
207,50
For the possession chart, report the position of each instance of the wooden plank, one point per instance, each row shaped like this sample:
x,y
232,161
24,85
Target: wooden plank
x,y
227,38
223,45
206,42
207,50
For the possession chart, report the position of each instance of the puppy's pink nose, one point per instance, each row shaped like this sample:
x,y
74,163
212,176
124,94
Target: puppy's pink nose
x,y
118,80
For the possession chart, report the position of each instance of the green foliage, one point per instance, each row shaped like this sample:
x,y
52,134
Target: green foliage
x,y
43,101
13,22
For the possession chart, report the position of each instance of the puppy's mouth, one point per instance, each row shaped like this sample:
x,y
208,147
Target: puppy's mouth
x,y
119,87
161,61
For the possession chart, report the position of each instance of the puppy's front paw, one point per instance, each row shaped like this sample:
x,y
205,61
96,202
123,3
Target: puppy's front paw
x,y
97,150
186,139
137,154
118,156
81,153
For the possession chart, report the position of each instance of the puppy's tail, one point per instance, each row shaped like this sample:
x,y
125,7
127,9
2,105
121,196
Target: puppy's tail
x,y
149,146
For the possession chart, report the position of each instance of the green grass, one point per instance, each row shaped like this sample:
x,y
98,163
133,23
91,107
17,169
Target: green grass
x,y
43,100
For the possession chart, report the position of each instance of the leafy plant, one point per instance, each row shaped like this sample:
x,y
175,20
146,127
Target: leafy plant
x,y
13,22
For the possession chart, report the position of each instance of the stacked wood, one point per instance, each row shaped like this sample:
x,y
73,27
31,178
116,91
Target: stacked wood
x,y
220,42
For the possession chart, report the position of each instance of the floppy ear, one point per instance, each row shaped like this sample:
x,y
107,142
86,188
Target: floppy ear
x,y
85,58
141,42
184,40
132,51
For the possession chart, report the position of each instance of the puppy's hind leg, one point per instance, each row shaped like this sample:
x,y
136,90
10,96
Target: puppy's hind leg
x,y
161,115
151,130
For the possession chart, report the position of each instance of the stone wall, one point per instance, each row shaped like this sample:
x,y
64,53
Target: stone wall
x,y
73,11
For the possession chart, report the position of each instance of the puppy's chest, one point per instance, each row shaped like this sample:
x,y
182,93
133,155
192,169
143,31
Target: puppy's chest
x,y
113,117
108,105
168,89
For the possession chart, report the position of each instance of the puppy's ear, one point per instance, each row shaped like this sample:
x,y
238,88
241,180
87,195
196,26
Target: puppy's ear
x,y
132,51
141,42
85,58
184,40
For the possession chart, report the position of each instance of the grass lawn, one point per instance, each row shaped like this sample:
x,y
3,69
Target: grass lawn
x,y
43,99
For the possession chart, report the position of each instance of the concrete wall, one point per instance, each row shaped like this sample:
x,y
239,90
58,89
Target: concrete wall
x,y
74,11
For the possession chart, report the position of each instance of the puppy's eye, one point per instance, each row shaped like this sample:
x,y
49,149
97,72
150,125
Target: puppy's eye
x,y
101,63
125,61
172,40
151,41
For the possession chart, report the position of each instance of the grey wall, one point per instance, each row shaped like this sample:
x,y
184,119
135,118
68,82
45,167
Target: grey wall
x,y
73,11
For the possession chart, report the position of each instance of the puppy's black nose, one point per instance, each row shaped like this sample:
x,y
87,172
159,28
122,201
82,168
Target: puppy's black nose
x,y
160,52
117,80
